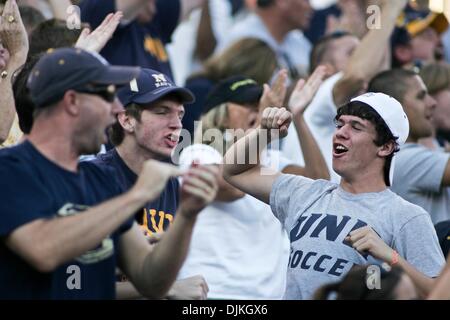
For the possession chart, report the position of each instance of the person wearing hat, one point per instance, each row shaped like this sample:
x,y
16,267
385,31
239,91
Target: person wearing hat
x,y
421,176
334,226
416,38
64,223
238,245
149,128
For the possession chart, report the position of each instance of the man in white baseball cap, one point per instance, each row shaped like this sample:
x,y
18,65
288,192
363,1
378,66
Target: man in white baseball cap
x,y
358,221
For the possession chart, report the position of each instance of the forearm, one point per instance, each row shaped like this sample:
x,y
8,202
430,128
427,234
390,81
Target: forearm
x,y
59,8
423,283
315,165
130,8
206,40
161,266
244,155
7,106
441,290
367,58
48,243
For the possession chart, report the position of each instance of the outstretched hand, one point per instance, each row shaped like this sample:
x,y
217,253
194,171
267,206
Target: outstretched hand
x,y
274,96
97,39
13,35
305,91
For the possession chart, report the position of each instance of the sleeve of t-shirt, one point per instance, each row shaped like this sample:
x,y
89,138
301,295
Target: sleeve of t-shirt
x,y
417,242
293,194
94,11
22,197
423,169
167,18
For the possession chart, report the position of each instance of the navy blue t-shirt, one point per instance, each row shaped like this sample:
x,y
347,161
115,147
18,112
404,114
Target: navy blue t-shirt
x,y
33,187
137,44
157,215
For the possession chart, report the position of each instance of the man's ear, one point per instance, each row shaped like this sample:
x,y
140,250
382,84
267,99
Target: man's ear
x,y
127,122
386,149
72,103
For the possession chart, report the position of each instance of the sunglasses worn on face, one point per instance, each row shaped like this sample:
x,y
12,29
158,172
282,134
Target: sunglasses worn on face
x,y
107,93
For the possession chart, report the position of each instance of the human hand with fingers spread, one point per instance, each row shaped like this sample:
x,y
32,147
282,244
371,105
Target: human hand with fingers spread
x,y
305,91
273,96
276,118
199,188
366,240
13,35
97,39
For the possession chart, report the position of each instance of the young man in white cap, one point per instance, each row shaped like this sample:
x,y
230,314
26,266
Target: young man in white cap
x,y
334,226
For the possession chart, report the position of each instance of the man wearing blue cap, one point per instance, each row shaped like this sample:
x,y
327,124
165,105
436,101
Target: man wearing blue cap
x,y
149,128
62,237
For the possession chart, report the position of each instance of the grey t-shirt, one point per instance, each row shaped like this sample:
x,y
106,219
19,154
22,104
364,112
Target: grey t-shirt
x,y
417,178
319,214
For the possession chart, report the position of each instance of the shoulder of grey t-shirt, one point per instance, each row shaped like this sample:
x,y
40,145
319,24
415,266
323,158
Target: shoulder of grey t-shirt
x,y
293,194
416,239
419,169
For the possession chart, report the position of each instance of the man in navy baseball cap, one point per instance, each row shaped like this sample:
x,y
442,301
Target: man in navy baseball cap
x,y
71,220
150,86
149,128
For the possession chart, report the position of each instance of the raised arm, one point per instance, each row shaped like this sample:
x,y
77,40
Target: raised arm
x,y
301,97
13,37
367,60
242,167
47,243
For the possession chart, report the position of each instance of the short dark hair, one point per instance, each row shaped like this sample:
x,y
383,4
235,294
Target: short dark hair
x,y
392,82
52,33
31,17
364,111
321,47
24,105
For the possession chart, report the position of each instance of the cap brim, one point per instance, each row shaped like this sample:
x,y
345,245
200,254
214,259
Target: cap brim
x,y
186,96
118,75
250,95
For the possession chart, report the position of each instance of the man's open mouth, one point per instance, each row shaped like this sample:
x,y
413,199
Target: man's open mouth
x,y
339,148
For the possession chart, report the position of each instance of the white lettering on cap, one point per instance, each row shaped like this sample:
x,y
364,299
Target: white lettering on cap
x,y
134,85
161,81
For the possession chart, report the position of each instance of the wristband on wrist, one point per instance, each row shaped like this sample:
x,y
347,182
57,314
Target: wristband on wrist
x,y
394,257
